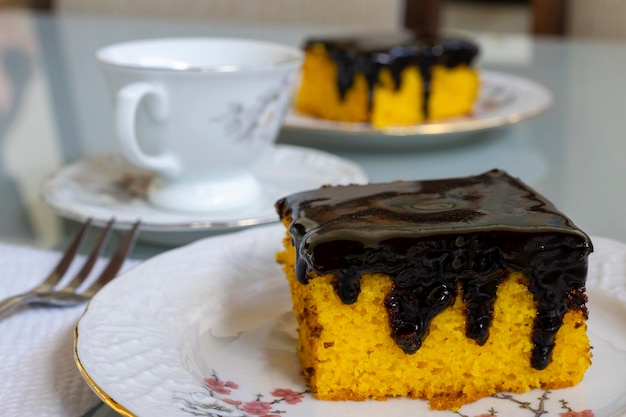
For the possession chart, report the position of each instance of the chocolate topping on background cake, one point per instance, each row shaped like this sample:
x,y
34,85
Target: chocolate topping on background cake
x,y
368,55
436,237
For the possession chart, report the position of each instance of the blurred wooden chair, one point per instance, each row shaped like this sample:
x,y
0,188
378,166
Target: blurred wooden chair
x,y
28,4
422,16
582,18
575,18
548,17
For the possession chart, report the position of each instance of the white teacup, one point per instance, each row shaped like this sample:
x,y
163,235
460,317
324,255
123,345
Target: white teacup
x,y
200,112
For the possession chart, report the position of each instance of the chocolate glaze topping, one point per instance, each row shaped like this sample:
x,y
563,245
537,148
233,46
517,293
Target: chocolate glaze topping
x,y
369,55
438,237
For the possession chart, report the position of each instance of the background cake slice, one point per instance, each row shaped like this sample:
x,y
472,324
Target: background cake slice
x,y
388,80
446,290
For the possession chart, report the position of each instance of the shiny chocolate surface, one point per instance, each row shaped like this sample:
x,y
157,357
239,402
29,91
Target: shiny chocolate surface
x,y
368,55
436,238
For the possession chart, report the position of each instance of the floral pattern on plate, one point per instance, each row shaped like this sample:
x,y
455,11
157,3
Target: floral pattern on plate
x,y
217,400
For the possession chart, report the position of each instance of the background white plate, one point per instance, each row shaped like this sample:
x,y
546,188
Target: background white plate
x,y
504,99
208,329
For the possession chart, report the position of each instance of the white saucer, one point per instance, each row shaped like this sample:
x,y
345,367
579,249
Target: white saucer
x,y
504,99
106,186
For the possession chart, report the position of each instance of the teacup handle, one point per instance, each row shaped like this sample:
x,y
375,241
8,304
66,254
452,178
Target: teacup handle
x,y
128,100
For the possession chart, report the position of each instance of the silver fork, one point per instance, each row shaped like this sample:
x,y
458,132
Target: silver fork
x,y
46,293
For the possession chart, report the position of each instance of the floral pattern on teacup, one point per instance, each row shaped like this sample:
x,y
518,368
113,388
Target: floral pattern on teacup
x,y
258,121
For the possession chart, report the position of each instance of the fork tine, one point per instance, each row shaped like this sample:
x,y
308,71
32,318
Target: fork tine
x,y
60,269
80,277
117,259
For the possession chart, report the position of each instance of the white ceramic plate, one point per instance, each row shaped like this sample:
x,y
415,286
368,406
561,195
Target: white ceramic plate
x,y
106,186
207,330
504,99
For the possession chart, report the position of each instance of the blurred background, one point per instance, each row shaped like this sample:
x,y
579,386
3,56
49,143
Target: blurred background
x,y
49,75
579,18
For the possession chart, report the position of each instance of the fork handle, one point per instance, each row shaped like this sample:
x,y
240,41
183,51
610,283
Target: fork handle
x,y
13,302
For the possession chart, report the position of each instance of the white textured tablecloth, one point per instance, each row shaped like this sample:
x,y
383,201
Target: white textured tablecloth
x,y
38,376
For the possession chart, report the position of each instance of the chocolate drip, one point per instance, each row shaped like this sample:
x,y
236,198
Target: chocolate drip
x,y
558,269
480,271
369,55
420,293
434,238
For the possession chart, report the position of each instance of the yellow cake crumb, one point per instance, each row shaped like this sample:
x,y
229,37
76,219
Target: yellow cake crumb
x,y
319,97
347,353
452,92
